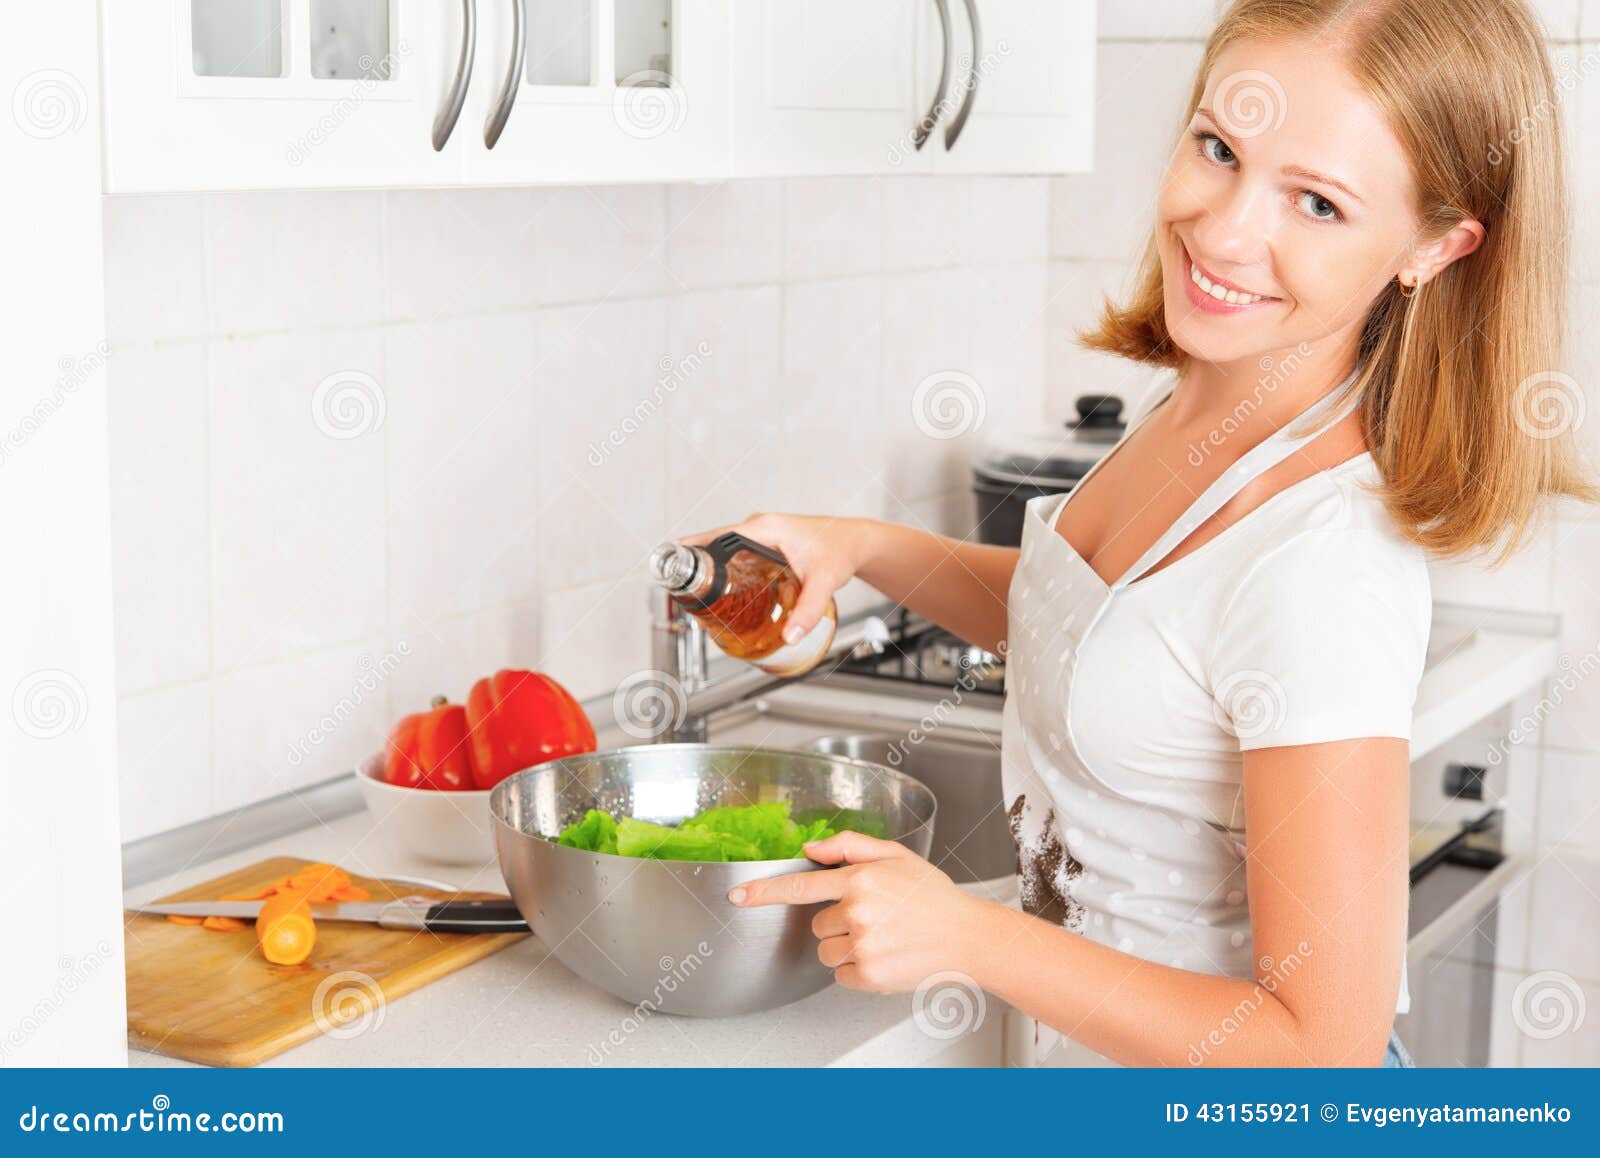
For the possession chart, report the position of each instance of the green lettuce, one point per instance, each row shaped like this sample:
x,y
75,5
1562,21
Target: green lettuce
x,y
846,819
730,833
596,832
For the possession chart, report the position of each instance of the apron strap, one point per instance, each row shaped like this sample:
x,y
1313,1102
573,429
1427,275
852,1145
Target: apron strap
x,y
1256,461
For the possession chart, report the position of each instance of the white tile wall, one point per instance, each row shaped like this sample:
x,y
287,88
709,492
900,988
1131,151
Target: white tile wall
x,y
725,234
449,253
1157,19
297,516
1560,17
460,484
600,510
165,741
293,260
155,269
527,390
160,516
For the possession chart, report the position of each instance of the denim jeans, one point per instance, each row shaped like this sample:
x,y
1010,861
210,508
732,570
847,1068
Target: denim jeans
x,y
1397,1057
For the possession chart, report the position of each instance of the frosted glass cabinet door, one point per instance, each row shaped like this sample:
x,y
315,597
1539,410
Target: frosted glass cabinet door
x,y
253,94
828,86
608,90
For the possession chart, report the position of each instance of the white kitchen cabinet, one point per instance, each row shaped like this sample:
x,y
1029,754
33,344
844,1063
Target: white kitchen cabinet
x,y
833,86
610,91
1024,71
826,87
256,94
259,94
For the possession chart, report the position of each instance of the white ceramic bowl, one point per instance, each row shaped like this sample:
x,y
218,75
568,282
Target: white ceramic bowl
x,y
443,827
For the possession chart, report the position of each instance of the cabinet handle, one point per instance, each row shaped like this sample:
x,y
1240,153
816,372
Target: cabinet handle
x,y
924,129
959,121
444,124
508,91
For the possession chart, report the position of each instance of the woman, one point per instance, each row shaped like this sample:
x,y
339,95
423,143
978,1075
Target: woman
x,y
1355,293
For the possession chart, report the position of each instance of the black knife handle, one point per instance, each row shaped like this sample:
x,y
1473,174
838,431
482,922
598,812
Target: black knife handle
x,y
499,916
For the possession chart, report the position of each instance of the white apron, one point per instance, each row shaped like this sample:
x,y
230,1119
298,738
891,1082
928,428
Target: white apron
x,y
1147,865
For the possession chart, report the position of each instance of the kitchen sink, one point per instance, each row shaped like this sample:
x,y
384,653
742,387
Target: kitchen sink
x,y
971,839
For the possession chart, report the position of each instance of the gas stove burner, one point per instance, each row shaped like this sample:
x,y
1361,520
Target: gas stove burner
x,y
923,654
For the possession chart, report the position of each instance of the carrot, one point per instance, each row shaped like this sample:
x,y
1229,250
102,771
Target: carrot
x,y
318,881
284,928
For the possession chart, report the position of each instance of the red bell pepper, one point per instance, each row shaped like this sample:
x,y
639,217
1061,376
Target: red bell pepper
x,y
521,718
430,749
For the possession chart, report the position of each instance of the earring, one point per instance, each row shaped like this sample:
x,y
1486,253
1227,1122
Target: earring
x,y
1409,291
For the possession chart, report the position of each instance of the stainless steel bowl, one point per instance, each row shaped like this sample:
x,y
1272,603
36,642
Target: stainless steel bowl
x,y
662,934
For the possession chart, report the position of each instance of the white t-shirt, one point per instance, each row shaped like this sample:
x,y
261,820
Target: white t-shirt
x,y
1304,622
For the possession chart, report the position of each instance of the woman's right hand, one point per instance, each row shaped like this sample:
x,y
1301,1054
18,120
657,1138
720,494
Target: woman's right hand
x,y
826,553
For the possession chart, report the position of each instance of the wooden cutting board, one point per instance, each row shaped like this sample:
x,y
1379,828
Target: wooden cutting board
x,y
210,997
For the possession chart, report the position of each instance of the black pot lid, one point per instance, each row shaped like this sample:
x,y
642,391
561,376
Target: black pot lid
x,y
1047,458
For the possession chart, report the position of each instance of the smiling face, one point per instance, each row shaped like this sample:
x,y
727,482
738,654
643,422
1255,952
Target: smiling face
x,y
1290,197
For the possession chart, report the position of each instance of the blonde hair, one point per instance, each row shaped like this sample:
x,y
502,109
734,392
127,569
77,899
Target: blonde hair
x,y
1458,383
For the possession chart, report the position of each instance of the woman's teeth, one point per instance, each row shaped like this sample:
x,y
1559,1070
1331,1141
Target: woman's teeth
x,y
1232,297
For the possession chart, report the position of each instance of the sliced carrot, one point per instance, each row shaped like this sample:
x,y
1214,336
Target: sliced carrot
x,y
285,930
319,881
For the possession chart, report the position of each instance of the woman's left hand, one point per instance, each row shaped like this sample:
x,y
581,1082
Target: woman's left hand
x,y
897,921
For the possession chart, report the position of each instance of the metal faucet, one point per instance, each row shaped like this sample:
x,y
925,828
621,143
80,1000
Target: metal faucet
x,y
679,652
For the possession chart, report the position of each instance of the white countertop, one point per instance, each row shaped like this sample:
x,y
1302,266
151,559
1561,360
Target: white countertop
x,y
522,1007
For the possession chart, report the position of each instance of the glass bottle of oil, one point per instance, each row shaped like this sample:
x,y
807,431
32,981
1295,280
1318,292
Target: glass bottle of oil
x,y
743,593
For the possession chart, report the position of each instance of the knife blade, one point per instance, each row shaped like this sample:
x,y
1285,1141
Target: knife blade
x,y
493,916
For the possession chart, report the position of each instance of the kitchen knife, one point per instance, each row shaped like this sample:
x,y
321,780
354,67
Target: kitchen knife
x,y
495,916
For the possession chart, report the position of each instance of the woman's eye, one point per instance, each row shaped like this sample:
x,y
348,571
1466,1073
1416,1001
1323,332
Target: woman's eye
x,y
1319,206
1215,148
